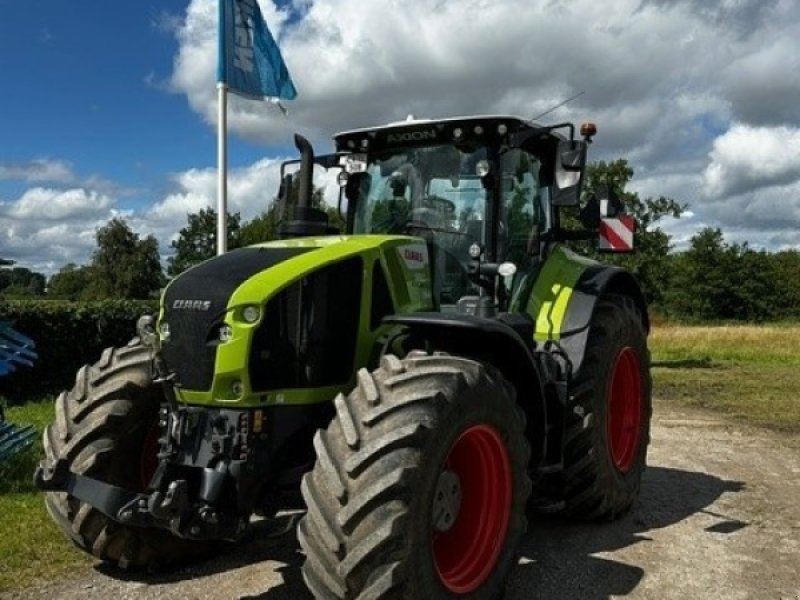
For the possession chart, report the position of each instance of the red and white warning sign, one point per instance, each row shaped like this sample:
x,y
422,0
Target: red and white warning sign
x,y
616,235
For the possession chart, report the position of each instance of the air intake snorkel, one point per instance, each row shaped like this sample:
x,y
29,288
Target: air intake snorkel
x,y
306,220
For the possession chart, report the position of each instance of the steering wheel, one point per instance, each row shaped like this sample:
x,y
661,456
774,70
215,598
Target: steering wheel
x,y
439,204
434,211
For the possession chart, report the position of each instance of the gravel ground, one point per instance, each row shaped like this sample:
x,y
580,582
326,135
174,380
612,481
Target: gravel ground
x,y
718,518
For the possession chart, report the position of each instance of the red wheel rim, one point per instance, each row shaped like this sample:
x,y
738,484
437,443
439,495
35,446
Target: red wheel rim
x,y
148,461
625,409
466,554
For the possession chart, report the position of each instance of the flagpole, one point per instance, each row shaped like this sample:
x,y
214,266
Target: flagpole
x,y
249,63
222,168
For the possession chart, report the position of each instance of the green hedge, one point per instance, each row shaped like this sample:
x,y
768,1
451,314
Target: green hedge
x,y
67,335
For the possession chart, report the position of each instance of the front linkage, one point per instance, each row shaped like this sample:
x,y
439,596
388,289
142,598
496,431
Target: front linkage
x,y
190,501
169,504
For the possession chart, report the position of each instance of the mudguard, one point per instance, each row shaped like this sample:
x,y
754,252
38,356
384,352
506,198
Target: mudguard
x,y
561,295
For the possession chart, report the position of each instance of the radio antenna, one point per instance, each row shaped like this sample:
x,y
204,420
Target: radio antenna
x,y
549,110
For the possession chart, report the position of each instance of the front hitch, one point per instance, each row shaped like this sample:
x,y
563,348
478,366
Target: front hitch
x,y
172,509
106,498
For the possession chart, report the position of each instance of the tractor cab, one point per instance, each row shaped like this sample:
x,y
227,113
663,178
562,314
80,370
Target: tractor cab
x,y
483,192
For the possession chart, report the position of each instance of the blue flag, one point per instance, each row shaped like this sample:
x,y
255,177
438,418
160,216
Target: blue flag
x,y
249,61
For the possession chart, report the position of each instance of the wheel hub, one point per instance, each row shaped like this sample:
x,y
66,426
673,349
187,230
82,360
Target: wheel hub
x,y
471,509
446,501
624,408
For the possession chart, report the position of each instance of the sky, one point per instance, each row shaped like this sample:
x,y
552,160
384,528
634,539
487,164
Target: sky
x,y
109,109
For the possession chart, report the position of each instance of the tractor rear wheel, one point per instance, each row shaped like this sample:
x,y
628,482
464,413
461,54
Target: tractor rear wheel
x,y
106,427
608,424
420,484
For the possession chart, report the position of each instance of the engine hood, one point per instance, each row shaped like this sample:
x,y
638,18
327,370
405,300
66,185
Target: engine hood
x,y
206,335
253,274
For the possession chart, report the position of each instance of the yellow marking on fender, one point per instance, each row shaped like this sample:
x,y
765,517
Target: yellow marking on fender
x,y
552,312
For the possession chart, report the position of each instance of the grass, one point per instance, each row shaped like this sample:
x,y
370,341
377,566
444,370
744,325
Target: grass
x,y
749,373
31,546
746,372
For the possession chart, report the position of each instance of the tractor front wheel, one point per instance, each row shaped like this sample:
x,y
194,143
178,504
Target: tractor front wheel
x,y
106,427
608,423
420,484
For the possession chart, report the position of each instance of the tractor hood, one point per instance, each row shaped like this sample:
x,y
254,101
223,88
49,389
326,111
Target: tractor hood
x,y
252,274
216,315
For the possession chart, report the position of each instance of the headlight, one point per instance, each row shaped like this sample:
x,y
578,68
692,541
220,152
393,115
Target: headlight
x,y
251,313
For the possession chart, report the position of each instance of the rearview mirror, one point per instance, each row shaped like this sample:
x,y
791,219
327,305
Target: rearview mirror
x,y
569,173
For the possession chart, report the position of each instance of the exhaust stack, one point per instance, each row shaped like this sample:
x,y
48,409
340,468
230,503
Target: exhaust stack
x,y
306,219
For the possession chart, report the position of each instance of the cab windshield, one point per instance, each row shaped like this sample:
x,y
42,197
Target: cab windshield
x,y
433,191
436,192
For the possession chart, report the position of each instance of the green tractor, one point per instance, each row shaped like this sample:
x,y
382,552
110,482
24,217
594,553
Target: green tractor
x,y
422,381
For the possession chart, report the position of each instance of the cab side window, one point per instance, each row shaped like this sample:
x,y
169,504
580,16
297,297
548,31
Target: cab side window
x,y
521,208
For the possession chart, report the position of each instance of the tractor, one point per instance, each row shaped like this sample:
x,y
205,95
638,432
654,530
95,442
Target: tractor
x,y
418,384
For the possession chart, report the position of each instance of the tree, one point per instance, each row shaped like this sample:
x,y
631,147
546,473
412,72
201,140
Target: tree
x,y
123,265
262,228
785,270
265,227
335,219
650,262
71,282
198,240
317,201
20,281
715,280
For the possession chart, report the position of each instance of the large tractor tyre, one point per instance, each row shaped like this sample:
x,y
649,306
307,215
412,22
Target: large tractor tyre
x,y
420,484
608,421
106,427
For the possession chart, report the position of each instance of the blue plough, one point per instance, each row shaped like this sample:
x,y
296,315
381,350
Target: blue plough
x,y
16,351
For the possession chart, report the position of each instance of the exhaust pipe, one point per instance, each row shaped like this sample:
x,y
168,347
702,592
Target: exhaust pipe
x,y
306,220
306,171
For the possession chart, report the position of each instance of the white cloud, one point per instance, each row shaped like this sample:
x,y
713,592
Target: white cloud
x,y
44,244
662,78
250,191
53,204
358,64
46,228
746,158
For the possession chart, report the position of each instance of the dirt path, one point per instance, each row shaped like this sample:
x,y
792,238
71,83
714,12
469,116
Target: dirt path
x,y
719,518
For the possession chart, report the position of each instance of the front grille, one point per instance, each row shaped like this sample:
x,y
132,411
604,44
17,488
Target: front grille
x,y
308,335
195,304
187,352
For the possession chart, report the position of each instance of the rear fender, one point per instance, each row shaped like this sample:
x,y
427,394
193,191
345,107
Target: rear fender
x,y
563,297
493,342
593,283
